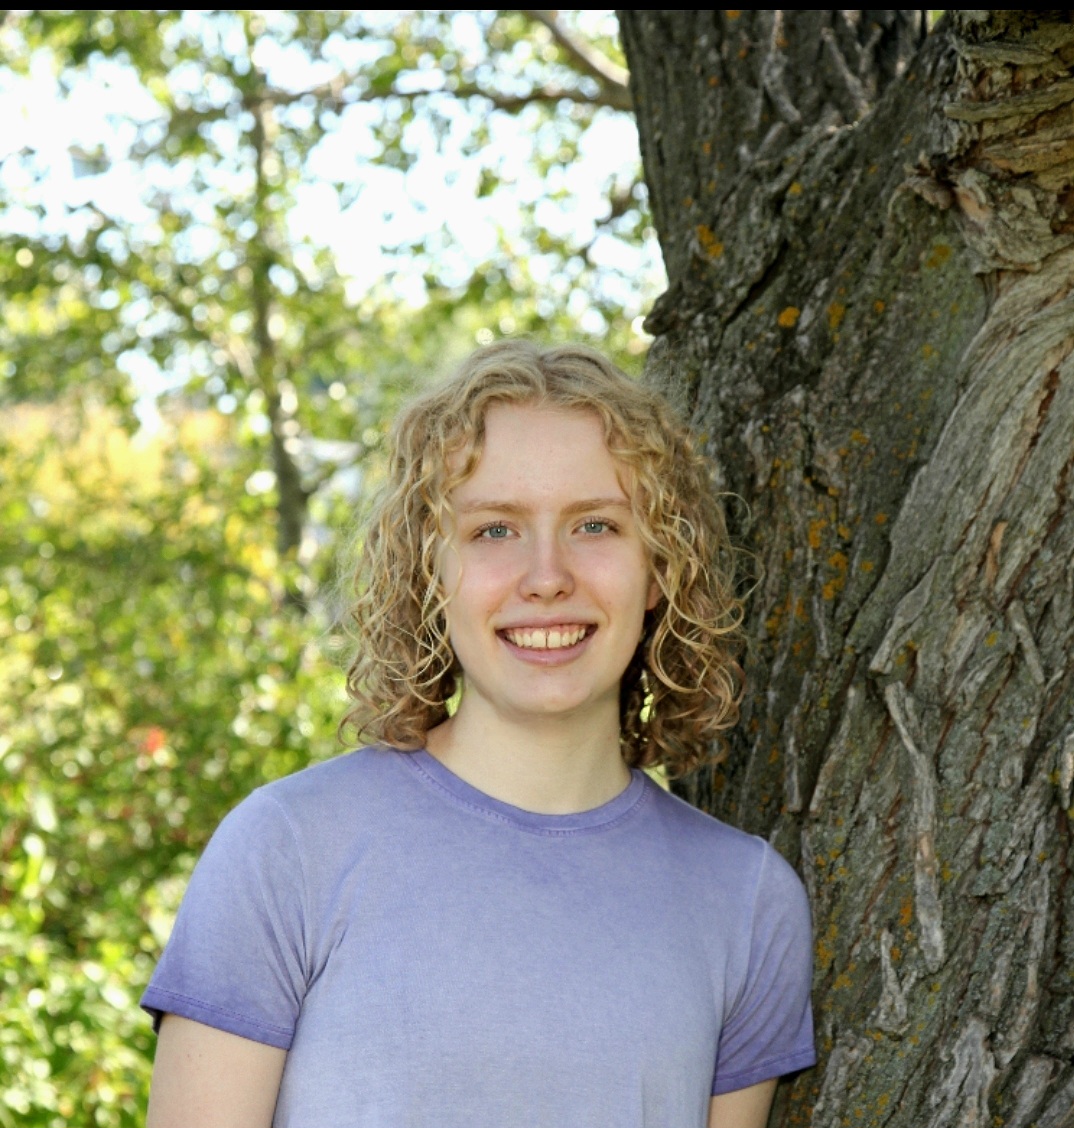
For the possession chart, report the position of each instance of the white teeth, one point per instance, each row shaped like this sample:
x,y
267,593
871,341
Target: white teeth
x,y
554,638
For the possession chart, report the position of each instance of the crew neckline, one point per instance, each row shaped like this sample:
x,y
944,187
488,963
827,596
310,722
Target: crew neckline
x,y
536,822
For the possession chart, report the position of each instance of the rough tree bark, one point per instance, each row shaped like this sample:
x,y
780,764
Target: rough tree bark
x,y
869,236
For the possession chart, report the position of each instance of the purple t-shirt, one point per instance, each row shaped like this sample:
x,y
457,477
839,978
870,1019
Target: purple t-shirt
x,y
430,955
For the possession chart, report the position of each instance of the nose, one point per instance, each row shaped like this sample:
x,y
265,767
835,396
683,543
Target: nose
x,y
548,574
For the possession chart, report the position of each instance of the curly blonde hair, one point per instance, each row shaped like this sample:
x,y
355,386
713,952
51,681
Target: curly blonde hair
x,y
681,688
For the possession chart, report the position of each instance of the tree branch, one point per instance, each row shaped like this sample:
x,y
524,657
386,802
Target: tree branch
x,y
594,63
543,94
339,93
613,89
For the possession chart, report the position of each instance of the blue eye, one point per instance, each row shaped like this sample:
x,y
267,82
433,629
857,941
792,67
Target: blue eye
x,y
495,531
595,527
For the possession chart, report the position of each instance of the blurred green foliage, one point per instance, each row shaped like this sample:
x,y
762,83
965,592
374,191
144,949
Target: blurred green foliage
x,y
166,606
152,676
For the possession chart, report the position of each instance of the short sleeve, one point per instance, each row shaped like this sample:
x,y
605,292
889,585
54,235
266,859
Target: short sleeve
x,y
769,1029
236,957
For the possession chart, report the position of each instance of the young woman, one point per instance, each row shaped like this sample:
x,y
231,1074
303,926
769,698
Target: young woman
x,y
490,917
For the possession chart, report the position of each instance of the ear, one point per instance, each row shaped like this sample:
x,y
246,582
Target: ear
x,y
654,595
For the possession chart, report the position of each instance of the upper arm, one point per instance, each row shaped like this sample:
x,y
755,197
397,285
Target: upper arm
x,y
207,1078
767,1027
743,1108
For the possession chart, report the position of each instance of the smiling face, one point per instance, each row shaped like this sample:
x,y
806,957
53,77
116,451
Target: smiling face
x,y
547,578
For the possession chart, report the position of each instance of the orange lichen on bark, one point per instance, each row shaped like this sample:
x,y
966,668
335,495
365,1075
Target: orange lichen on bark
x,y
795,189
938,256
709,243
772,623
837,561
836,312
879,306
826,947
788,317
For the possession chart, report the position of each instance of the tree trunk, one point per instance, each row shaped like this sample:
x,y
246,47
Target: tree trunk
x,y
869,237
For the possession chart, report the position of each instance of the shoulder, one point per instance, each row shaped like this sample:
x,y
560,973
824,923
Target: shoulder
x,y
360,777
315,806
288,844
723,858
699,834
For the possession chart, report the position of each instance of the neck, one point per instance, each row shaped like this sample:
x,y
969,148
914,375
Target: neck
x,y
553,766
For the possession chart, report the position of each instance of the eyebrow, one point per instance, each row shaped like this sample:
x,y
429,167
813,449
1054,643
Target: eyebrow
x,y
589,504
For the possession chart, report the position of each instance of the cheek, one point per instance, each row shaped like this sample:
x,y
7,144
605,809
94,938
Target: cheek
x,y
471,588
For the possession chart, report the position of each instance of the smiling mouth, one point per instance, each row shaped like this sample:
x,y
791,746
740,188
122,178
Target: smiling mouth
x,y
547,638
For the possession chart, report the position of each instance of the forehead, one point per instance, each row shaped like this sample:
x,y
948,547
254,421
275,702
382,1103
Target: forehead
x,y
535,449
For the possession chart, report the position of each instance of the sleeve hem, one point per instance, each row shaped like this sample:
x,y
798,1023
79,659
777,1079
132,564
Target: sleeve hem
x,y
776,1067
158,1002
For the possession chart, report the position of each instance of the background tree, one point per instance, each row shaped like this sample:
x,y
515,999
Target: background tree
x,y
869,237
204,278
194,383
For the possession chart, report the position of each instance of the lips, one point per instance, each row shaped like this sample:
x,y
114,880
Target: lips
x,y
558,637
